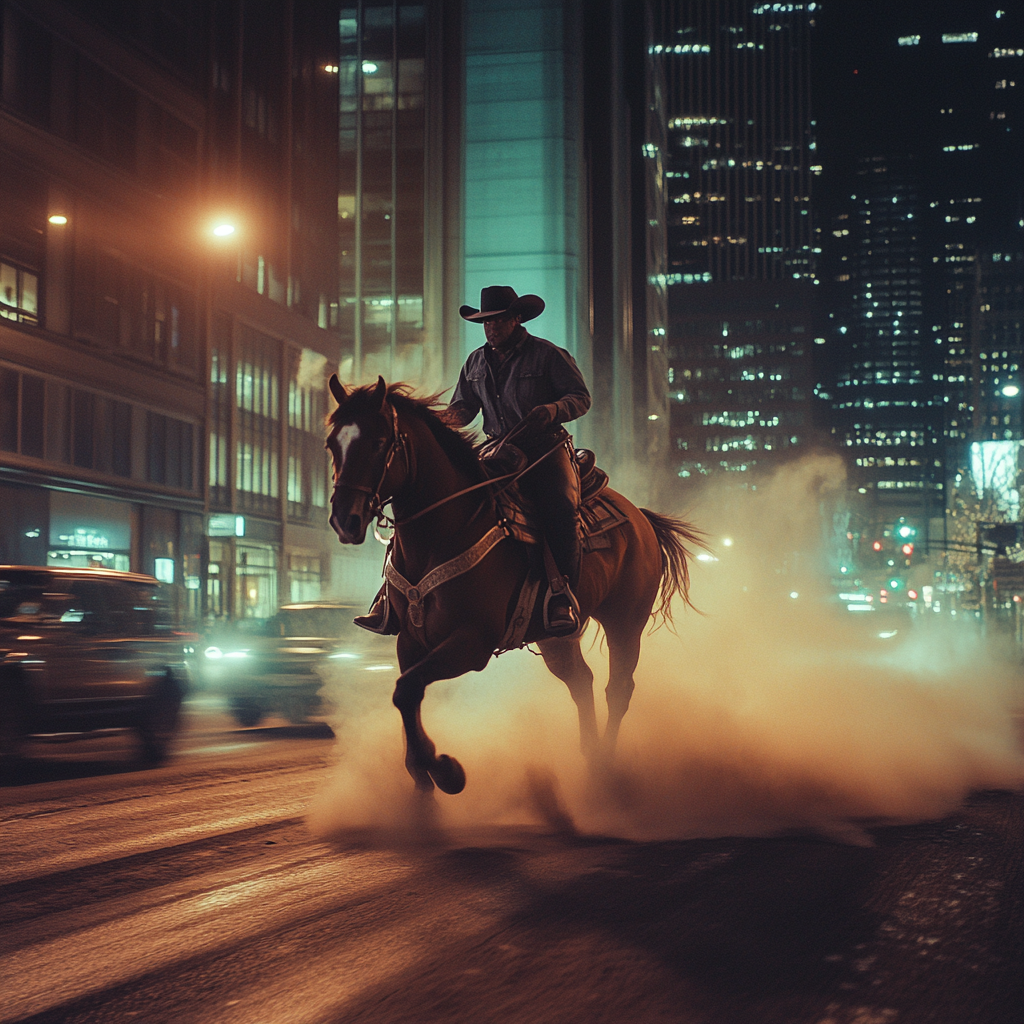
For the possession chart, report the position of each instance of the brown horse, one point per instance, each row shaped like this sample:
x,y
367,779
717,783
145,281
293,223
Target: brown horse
x,y
389,446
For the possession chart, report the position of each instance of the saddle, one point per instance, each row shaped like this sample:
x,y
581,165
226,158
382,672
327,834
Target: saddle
x,y
518,519
518,515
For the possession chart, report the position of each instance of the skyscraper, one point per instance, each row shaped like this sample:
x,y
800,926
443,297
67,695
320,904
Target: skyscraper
x,y
742,252
496,142
923,155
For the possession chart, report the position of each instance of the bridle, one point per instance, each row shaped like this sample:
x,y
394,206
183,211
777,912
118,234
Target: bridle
x,y
399,442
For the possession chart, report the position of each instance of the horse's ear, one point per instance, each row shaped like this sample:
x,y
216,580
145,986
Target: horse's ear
x,y
380,394
337,389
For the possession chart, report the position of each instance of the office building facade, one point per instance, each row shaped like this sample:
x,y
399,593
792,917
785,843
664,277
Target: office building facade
x,y
162,392
741,235
927,217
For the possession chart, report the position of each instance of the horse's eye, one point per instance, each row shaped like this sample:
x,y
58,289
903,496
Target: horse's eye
x,y
382,443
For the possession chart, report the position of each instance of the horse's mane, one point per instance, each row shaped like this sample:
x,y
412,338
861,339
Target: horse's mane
x,y
429,410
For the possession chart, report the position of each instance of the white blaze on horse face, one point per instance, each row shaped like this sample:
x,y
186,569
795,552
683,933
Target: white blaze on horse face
x,y
346,435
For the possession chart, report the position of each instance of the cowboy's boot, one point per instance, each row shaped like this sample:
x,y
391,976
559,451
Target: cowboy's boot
x,y
561,609
376,620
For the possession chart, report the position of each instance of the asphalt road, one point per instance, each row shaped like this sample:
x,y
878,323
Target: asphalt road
x,y
196,893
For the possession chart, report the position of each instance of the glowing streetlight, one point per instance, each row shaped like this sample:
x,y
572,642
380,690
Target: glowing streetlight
x,y
1010,390
369,68
224,229
57,218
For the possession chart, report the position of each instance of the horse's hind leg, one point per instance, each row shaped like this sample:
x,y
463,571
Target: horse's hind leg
x,y
623,655
565,660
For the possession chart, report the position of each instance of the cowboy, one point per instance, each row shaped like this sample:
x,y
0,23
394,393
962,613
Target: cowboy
x,y
526,387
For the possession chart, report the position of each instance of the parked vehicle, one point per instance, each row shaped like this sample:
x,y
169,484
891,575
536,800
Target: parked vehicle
x,y
88,649
276,665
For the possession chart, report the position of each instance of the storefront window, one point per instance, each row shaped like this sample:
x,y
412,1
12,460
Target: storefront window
x,y
89,532
216,597
304,578
255,581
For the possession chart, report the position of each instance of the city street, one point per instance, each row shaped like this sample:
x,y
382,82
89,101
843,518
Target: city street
x,y
197,892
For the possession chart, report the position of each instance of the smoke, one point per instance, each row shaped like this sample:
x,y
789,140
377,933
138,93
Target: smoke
x,y
772,712
310,371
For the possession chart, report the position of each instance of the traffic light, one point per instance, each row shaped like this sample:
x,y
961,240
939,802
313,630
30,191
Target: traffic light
x,y
894,583
903,530
908,552
876,545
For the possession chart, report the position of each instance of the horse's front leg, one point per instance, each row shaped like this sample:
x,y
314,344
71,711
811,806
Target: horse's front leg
x,y
461,652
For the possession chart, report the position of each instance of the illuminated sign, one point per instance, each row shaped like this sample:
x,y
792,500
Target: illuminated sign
x,y
85,523
226,526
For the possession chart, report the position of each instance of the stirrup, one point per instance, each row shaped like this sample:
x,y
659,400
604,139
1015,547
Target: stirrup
x,y
570,626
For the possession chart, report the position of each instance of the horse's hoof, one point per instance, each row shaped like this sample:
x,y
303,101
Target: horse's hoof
x,y
448,774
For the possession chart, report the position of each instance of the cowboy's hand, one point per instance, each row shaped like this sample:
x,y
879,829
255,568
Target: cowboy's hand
x,y
540,417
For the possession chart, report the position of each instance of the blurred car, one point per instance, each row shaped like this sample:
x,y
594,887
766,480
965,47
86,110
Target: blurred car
x,y
277,665
870,618
88,649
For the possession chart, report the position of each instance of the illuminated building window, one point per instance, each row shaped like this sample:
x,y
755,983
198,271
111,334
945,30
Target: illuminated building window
x,y
909,40
257,391
19,294
959,37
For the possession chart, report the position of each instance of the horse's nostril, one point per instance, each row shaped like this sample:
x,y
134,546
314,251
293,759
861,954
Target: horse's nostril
x,y
352,525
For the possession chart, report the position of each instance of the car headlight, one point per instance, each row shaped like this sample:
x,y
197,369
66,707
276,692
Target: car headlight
x,y
213,653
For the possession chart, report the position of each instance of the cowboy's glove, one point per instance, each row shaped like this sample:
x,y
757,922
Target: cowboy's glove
x,y
539,417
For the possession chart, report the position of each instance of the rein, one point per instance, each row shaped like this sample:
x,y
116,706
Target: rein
x,y
399,440
510,477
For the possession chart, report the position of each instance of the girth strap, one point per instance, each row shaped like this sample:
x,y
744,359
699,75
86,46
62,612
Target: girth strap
x,y
440,574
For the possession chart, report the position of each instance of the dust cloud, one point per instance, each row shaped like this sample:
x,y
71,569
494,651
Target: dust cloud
x,y
767,714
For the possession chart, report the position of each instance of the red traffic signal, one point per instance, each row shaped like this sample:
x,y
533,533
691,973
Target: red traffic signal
x,y
907,549
912,594
876,545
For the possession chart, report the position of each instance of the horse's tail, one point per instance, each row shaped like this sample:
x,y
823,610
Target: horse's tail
x,y
673,535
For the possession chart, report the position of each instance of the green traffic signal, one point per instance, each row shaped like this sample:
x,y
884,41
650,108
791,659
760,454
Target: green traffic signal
x,y
904,530
895,583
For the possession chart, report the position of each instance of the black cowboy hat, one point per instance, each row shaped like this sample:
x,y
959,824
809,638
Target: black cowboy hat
x,y
499,300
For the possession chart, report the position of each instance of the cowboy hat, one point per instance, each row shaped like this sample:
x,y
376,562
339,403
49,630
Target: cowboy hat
x,y
500,300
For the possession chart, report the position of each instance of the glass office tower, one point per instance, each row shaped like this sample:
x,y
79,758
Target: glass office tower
x,y
926,235
742,253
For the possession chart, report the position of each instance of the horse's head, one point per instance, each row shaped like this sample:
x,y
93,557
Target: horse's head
x,y
363,442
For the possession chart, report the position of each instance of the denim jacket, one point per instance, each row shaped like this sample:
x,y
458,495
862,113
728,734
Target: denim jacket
x,y
534,373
